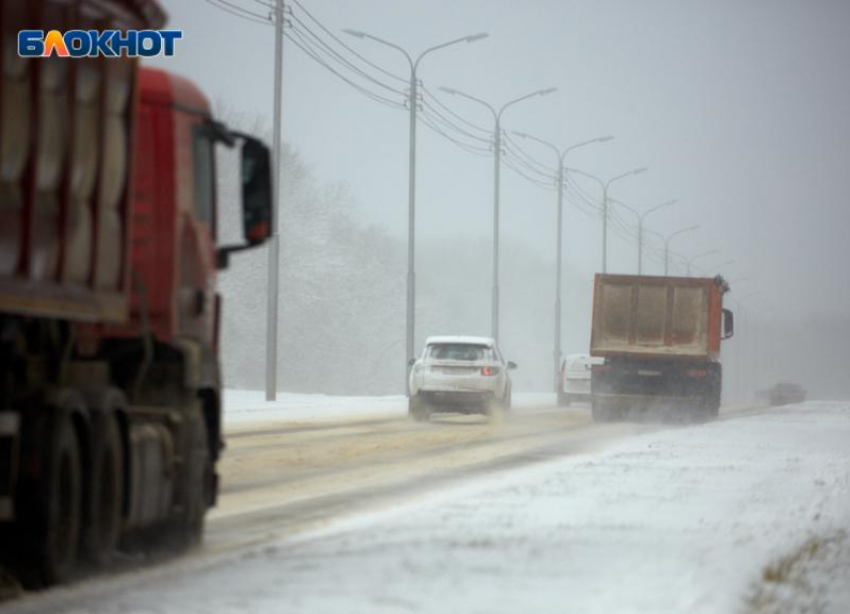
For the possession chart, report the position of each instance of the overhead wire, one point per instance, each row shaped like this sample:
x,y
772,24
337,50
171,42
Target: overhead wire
x,y
299,41
347,47
334,55
449,123
427,120
469,124
238,11
434,115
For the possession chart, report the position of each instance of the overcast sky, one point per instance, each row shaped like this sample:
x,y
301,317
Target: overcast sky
x,y
741,110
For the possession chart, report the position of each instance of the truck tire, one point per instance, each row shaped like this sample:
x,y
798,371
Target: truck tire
x,y
418,409
60,503
106,492
186,531
600,411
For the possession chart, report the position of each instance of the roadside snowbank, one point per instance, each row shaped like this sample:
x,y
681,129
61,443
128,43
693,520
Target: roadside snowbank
x,y
250,406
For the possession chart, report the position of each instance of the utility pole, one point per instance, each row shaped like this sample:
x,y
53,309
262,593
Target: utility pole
x,y
410,328
642,217
560,156
274,242
667,240
605,185
497,165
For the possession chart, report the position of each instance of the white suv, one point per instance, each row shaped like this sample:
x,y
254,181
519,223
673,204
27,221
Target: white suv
x,y
459,374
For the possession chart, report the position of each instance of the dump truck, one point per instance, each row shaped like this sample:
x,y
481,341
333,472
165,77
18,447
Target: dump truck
x,y
660,341
110,382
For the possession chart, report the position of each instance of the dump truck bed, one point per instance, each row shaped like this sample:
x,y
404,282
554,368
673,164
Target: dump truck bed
x,y
66,135
657,317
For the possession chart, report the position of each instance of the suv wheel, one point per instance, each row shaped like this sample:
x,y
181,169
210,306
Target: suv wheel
x,y
418,409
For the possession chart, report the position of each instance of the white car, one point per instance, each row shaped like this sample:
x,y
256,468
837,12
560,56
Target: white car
x,y
575,378
459,374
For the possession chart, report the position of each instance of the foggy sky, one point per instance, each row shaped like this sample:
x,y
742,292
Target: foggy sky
x,y
739,109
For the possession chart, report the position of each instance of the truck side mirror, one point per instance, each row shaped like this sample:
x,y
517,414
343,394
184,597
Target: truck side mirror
x,y
511,365
728,324
255,166
256,191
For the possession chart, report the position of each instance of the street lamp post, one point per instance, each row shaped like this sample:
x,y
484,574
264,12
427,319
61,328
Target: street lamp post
x,y
667,240
641,217
606,185
274,245
700,255
605,214
560,155
497,163
411,195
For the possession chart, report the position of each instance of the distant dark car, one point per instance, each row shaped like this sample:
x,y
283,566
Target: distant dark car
x,y
785,393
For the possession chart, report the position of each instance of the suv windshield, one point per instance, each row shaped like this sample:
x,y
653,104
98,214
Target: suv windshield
x,y
458,351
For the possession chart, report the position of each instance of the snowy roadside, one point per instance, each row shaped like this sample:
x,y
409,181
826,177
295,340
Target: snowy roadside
x,y
242,407
712,518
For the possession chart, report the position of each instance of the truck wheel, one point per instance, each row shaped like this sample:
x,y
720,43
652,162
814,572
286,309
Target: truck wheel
x,y
417,409
600,411
60,504
710,410
106,494
197,478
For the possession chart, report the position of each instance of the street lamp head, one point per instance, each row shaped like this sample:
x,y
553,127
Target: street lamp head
x,y
522,135
476,37
548,90
640,170
448,90
605,139
356,33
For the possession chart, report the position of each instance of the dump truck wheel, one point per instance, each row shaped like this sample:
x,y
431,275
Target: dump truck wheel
x,y
60,505
196,491
106,494
599,411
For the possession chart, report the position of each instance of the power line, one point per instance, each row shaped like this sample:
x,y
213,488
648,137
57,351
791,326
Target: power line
x,y
343,44
454,126
530,161
514,163
337,57
429,122
238,11
487,131
299,41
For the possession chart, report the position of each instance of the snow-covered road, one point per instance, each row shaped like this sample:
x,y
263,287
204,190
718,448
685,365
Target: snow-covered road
x,y
746,514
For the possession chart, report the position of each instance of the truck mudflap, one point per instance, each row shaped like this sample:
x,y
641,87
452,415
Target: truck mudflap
x,y
9,451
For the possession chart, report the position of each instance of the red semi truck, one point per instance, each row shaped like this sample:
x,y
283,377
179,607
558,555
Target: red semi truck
x,y
110,385
660,341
